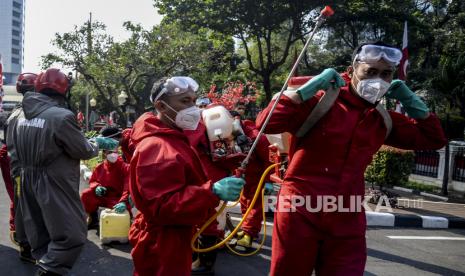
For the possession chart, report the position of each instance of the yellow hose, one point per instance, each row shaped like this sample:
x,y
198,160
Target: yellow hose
x,y
233,233
264,233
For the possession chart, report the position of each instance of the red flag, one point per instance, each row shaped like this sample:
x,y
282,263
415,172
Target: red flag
x,y
404,61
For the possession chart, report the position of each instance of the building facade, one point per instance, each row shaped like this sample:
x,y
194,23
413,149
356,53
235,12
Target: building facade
x,y
12,14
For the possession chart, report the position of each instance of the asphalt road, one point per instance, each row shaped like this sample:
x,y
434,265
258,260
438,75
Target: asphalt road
x,y
390,252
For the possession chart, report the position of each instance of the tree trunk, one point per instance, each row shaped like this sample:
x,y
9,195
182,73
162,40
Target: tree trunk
x,y
266,78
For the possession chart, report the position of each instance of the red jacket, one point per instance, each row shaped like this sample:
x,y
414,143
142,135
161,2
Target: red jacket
x,y
167,180
114,177
172,193
126,147
332,157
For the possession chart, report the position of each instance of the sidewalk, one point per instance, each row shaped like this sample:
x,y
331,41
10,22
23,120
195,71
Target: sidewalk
x,y
419,211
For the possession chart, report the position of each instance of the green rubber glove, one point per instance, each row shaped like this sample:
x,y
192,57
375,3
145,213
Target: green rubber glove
x,y
228,188
120,207
320,82
100,191
414,106
105,143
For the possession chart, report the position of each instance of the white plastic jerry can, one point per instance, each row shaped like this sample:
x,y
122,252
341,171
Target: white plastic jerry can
x,y
114,226
219,123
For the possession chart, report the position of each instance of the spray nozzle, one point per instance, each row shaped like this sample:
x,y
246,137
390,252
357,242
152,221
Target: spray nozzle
x,y
327,11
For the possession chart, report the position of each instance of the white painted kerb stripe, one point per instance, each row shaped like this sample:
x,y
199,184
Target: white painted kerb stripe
x,y
426,238
435,222
380,219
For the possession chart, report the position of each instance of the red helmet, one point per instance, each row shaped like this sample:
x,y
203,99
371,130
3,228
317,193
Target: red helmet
x,y
25,82
52,79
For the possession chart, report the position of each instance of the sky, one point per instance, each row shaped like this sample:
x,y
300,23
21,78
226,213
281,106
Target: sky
x,y
44,18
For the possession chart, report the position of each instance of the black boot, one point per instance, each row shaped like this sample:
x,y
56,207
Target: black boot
x,y
92,221
25,254
206,261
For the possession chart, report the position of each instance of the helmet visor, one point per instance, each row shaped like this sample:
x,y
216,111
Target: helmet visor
x,y
373,53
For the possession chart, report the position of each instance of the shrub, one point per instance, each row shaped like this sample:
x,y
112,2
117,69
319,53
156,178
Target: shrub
x,y
92,163
390,166
422,187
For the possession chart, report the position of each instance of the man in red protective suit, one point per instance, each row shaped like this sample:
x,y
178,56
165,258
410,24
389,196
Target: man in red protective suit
x,y
167,182
108,186
218,169
125,145
254,170
330,159
203,263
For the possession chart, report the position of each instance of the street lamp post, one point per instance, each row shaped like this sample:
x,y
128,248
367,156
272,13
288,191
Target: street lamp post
x,y
122,101
92,104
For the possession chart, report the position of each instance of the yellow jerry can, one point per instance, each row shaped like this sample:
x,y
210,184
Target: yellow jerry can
x,y
114,226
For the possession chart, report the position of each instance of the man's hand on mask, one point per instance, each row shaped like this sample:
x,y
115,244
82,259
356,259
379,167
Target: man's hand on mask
x,y
321,82
413,105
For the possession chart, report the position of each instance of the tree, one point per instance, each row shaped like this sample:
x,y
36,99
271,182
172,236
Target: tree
x,y
252,22
108,67
449,84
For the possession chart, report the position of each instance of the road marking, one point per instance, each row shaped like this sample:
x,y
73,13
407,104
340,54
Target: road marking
x,y
266,257
239,219
434,202
426,238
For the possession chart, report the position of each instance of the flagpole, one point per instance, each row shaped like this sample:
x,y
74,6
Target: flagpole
x,y
403,63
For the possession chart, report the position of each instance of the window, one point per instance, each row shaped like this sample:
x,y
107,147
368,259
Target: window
x,y
16,23
15,60
15,51
15,32
16,14
17,5
15,42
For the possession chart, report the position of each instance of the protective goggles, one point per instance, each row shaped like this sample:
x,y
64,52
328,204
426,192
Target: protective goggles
x,y
202,102
373,53
177,85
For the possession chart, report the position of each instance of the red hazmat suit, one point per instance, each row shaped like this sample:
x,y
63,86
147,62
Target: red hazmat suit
x,y
5,167
214,170
172,194
125,145
114,177
331,160
257,165
220,169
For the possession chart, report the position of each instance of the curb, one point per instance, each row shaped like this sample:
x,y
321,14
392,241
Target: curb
x,y
380,219
416,192
416,221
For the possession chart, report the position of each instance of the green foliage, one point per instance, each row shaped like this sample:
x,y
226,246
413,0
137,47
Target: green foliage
x,y
91,134
422,187
196,38
266,29
453,127
92,163
390,166
105,68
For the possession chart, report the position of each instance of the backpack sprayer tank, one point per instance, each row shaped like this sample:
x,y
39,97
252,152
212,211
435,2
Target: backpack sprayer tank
x,y
225,134
279,143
